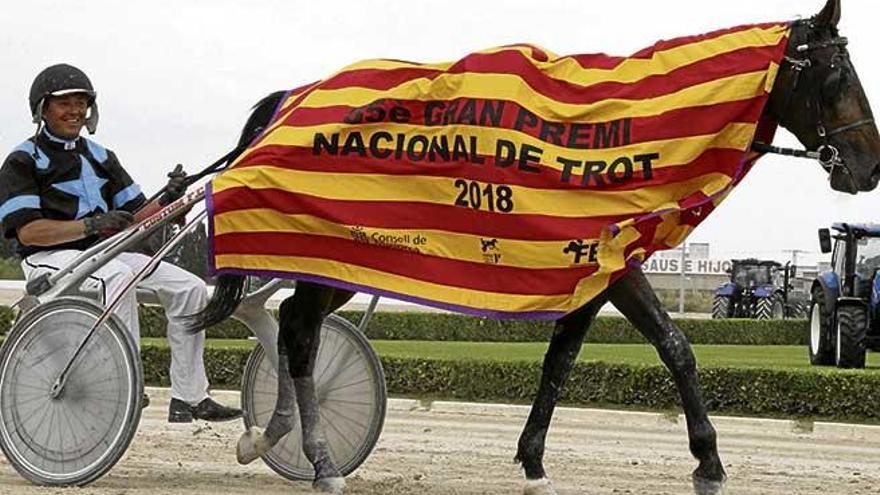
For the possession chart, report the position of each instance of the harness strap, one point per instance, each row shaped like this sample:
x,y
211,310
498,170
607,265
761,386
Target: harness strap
x,y
838,41
847,127
768,148
797,66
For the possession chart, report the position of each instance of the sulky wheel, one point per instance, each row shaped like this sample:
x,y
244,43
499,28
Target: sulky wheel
x,y
76,436
350,385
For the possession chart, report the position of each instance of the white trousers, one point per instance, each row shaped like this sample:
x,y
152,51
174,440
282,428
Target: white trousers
x,y
180,292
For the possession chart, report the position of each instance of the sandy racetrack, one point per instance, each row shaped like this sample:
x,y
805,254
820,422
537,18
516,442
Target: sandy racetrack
x,y
454,448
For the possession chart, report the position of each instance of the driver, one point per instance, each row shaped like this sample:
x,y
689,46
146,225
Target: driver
x,y
61,193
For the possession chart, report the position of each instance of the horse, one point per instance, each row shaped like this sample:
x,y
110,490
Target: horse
x,y
817,96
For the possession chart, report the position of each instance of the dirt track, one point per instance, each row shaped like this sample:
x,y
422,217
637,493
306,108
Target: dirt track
x,y
454,448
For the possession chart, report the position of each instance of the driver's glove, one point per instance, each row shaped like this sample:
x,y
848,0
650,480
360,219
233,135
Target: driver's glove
x,y
109,223
176,186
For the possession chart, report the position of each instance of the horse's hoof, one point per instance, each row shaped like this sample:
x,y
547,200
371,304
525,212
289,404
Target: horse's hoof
x,y
251,445
334,485
541,486
703,486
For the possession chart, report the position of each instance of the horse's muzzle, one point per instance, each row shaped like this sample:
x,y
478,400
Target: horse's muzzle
x,y
843,180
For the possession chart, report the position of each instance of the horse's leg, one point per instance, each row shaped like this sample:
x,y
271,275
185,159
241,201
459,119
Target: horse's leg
x,y
299,335
256,442
300,327
568,336
633,296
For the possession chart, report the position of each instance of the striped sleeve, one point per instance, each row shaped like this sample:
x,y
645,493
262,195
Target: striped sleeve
x,y
19,193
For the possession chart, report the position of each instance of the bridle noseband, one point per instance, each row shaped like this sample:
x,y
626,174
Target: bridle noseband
x,y
826,154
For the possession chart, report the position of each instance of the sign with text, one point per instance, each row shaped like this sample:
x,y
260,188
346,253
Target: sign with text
x,y
698,267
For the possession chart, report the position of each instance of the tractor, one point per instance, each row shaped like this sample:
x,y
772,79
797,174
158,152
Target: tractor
x,y
758,289
845,301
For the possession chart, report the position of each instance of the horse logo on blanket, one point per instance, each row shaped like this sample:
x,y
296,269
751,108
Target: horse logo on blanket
x,y
512,145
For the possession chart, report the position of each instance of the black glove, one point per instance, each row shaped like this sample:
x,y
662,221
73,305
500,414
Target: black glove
x,y
108,223
176,185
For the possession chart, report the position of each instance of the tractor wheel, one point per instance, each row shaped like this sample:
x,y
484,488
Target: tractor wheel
x,y
777,308
821,338
721,307
852,325
764,308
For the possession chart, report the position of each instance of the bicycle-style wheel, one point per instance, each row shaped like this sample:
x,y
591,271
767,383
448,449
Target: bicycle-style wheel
x,y
77,436
350,385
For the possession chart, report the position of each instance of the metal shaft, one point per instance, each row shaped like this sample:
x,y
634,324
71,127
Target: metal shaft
x,y
58,385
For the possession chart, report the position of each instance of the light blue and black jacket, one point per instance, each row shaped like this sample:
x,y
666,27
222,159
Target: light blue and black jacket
x,y
57,179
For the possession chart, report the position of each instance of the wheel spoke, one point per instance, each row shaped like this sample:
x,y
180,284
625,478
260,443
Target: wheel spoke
x,y
350,398
74,438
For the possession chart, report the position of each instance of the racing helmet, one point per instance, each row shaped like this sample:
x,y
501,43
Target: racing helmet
x,y
59,80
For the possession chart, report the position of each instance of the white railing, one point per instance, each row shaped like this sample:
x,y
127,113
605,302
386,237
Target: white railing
x,y
12,290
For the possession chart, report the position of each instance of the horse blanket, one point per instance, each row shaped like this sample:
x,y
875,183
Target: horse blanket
x,y
510,183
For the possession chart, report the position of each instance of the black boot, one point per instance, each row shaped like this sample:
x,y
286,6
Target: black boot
x,y
179,411
207,410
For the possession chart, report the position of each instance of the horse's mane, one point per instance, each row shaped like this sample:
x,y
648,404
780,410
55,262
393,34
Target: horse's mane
x,y
261,114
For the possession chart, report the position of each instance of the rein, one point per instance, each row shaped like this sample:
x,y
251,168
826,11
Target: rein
x,y
218,166
826,154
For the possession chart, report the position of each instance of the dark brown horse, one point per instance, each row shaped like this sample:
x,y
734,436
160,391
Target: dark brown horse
x,y
817,96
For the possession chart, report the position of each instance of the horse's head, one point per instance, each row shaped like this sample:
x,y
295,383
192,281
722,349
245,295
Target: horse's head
x,y
818,97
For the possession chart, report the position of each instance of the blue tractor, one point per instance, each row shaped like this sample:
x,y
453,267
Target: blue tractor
x,y
845,301
758,289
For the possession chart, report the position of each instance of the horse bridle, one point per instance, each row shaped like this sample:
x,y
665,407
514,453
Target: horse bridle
x,y
826,154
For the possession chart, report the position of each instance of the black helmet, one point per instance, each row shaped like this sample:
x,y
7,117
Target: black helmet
x,y
62,79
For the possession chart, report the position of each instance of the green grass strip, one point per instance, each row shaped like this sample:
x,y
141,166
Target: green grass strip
x,y
775,357
774,381
729,356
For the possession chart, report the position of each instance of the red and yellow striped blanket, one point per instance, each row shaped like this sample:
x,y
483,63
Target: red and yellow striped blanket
x,y
510,183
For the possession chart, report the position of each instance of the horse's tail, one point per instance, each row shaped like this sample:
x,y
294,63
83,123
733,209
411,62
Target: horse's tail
x,y
228,293
229,289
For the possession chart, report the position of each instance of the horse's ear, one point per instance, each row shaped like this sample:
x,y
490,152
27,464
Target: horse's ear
x,y
830,14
